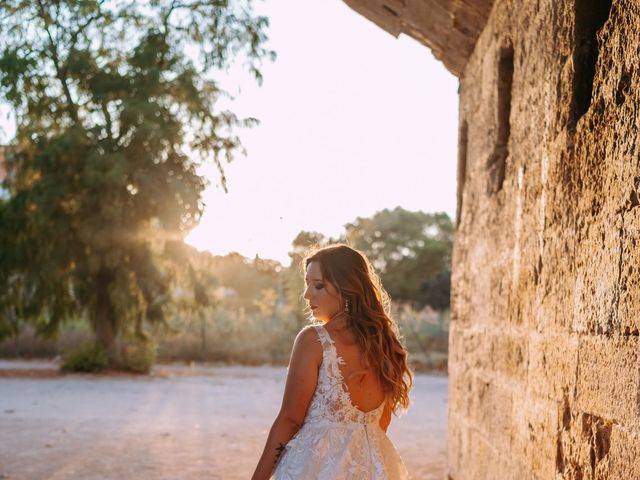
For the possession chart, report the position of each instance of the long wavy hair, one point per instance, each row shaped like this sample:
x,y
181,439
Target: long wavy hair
x,y
368,317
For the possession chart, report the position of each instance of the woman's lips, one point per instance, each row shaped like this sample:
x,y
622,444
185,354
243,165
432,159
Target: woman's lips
x,y
313,307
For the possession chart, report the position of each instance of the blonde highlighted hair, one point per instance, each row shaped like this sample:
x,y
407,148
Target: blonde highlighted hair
x,y
368,317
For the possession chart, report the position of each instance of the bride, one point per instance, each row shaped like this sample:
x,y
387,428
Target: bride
x,y
347,374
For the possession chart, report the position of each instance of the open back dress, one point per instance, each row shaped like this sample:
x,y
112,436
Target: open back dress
x,y
338,441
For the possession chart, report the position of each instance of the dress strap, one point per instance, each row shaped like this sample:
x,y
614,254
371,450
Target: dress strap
x,y
325,339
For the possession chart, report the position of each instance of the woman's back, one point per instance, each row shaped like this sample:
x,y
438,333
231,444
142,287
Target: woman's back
x,y
360,380
338,439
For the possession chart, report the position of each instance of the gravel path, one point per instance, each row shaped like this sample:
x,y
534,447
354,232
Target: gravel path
x,y
181,423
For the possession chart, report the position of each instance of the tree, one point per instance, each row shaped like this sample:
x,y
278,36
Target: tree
x,y
436,292
246,278
109,99
408,249
195,280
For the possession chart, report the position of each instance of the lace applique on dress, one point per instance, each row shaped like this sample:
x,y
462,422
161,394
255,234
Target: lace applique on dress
x,y
337,440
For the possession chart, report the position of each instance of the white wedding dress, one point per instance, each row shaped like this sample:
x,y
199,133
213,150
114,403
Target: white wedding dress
x,y
337,441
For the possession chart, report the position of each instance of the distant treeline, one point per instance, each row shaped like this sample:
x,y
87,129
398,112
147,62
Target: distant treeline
x,y
235,309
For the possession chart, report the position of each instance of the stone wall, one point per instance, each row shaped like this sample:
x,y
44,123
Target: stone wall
x,y
544,347
544,366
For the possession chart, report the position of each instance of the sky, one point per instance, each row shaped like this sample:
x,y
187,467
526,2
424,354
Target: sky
x,y
352,121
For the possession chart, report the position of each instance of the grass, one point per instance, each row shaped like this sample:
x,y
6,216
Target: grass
x,y
223,336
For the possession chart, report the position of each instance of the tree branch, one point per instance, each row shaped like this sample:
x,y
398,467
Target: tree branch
x,y
107,117
60,73
81,28
165,20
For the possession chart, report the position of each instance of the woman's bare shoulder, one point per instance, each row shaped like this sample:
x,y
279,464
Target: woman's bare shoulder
x,y
307,333
307,343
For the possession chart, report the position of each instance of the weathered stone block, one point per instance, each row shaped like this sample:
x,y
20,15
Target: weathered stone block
x,y
470,347
488,463
491,410
534,429
609,378
457,442
597,259
628,307
624,453
553,360
588,446
459,391
508,355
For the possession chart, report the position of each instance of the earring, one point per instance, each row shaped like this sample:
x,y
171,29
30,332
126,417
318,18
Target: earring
x,y
346,305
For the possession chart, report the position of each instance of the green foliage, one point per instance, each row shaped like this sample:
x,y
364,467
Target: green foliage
x,y
116,107
86,358
247,316
244,278
408,249
232,337
251,326
137,355
425,334
435,292
193,276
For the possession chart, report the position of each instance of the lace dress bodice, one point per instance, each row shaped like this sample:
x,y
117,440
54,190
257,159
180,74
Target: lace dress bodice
x,y
338,440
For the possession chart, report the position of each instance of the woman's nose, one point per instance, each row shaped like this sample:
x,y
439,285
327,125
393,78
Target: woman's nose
x,y
306,295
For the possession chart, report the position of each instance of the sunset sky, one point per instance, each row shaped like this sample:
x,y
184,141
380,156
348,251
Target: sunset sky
x,y
353,121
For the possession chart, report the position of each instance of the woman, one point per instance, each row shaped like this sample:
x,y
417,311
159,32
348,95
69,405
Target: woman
x,y
346,376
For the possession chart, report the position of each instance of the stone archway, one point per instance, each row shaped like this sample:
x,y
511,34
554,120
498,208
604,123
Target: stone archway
x,y
544,348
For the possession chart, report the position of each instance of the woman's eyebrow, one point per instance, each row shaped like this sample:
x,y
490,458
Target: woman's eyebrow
x,y
313,279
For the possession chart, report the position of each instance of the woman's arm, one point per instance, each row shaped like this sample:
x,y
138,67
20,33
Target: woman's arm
x,y
300,386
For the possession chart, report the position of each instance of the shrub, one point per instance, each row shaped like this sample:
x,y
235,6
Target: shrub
x,y
232,337
28,344
86,358
137,354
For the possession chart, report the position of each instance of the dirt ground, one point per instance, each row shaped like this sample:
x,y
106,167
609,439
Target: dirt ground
x,y
181,423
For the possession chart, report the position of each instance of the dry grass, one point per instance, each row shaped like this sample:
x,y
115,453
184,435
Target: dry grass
x,y
237,337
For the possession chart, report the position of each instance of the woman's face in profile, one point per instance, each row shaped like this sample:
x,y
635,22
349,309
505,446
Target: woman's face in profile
x,y
323,298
